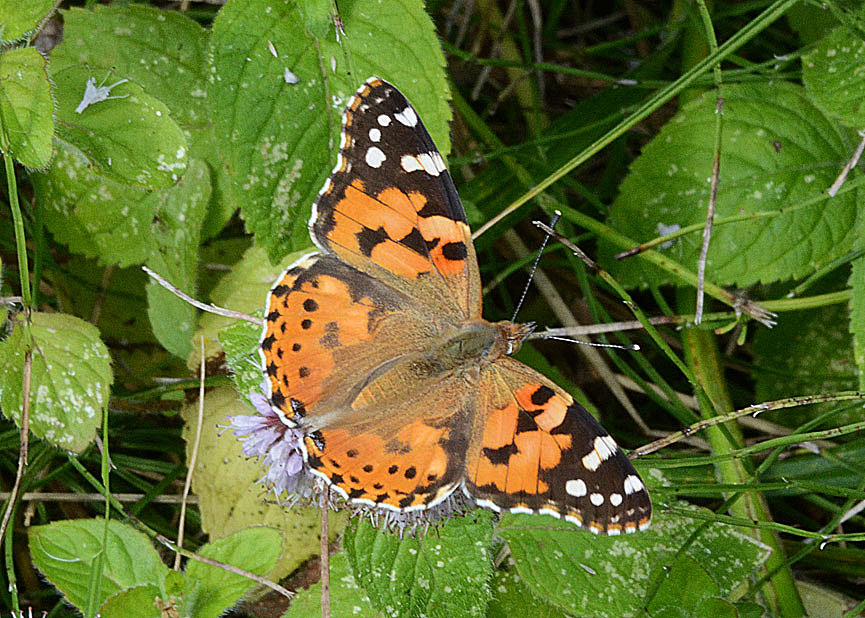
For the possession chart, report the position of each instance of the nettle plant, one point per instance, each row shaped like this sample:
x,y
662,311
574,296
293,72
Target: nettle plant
x,y
132,135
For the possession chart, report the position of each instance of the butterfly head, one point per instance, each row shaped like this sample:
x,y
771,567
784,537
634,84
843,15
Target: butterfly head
x,y
514,334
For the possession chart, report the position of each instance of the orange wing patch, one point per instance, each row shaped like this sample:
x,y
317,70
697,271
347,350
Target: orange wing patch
x,y
411,470
316,310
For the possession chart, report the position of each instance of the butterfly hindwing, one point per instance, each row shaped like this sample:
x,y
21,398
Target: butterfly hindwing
x,y
391,209
535,450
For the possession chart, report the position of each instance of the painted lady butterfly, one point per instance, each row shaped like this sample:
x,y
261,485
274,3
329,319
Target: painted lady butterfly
x,y
376,348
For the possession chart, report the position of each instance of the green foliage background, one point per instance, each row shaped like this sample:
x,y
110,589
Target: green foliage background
x,y
193,140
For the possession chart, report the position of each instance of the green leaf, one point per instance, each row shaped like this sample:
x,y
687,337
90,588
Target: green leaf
x,y
19,18
446,573
64,551
230,498
211,590
25,106
834,78
94,215
137,602
604,577
280,139
347,599
511,597
777,150
70,383
807,352
177,230
240,342
130,138
686,585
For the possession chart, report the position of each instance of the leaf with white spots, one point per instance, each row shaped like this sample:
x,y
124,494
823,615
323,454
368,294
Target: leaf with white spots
x,y
446,573
177,231
511,597
19,18
834,75
778,150
26,108
280,138
347,599
164,52
210,590
613,576
127,135
70,379
65,552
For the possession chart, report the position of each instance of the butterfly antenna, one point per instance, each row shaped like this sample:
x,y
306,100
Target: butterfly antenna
x,y
553,221
633,347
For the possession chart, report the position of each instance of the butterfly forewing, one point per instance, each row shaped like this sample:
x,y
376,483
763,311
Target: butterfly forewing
x,y
390,207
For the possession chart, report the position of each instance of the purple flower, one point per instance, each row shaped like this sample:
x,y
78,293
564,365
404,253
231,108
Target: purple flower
x,y
264,435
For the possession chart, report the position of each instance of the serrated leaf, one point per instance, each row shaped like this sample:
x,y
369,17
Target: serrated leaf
x,y
94,215
177,231
130,137
807,352
777,150
19,18
606,577
26,109
230,499
279,138
211,590
834,75
64,551
136,602
70,379
347,599
244,288
445,573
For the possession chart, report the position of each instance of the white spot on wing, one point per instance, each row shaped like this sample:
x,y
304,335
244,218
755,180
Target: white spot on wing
x,y
384,120
576,488
615,499
375,157
604,447
633,484
596,499
522,509
424,162
407,117
374,135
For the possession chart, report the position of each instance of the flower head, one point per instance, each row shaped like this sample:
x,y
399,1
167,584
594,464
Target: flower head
x,y
278,446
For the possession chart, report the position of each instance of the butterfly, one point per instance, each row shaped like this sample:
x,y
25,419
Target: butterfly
x,y
375,347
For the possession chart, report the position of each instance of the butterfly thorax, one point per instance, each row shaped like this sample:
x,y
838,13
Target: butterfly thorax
x,y
471,346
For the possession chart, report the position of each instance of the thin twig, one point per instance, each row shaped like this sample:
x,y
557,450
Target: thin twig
x,y
193,457
324,563
211,308
24,442
71,496
850,165
754,410
710,213
225,566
